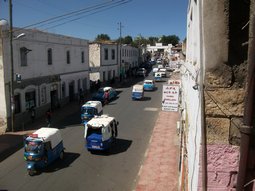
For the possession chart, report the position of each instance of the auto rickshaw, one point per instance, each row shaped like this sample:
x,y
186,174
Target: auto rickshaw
x,y
41,148
90,109
137,92
100,133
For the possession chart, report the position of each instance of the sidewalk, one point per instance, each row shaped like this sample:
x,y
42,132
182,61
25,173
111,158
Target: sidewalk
x,y
159,171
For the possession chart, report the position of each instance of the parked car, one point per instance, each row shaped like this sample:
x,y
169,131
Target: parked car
x,y
148,85
141,72
99,95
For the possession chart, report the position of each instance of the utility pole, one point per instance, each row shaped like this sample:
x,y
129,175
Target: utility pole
x,y
12,69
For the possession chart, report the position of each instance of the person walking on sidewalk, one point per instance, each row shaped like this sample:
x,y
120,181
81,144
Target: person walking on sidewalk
x,y
48,117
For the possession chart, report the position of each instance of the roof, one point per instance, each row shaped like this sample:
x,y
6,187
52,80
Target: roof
x,y
138,87
92,104
49,134
99,121
148,81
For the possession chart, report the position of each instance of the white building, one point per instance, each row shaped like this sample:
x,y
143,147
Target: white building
x,y
129,59
106,62
191,102
103,61
53,69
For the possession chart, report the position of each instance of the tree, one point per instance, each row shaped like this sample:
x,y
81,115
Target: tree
x,y
171,39
127,40
102,37
153,40
140,40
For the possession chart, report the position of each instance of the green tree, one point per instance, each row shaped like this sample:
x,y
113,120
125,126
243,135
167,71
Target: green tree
x,y
152,40
102,37
171,39
127,40
140,40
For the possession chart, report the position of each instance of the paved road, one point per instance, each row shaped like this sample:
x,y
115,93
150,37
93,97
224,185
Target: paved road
x,y
82,170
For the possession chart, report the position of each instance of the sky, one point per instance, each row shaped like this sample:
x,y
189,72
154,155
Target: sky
x,y
87,18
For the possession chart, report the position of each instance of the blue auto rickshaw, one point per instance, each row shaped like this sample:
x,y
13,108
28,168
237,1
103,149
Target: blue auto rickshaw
x,y
148,85
41,148
90,109
137,92
100,132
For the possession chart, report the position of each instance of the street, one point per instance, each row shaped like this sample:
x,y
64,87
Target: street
x,y
97,171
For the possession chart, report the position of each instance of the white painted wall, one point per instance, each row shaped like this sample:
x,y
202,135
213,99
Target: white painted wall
x,y
38,68
191,100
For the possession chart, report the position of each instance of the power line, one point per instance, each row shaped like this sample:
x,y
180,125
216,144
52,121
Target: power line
x,y
103,6
96,10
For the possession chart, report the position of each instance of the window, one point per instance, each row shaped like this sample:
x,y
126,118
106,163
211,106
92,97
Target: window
x,y
49,52
113,54
17,103
30,99
68,57
106,54
23,56
43,95
63,90
82,56
103,76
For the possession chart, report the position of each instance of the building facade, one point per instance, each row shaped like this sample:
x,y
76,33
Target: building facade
x,y
110,60
103,61
49,70
215,86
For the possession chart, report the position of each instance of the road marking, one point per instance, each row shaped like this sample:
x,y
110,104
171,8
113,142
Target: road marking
x,y
150,109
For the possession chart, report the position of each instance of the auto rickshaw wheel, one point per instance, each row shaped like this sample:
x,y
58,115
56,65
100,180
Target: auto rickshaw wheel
x,y
61,156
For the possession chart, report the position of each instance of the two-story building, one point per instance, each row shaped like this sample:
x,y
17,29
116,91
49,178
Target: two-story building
x,y
49,70
110,60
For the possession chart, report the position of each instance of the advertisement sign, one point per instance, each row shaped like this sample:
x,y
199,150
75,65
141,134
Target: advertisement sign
x,y
170,97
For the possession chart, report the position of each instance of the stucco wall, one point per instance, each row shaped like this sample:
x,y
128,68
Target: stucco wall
x,y
222,167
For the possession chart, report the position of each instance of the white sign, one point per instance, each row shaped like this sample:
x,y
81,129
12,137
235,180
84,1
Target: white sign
x,y
170,97
174,82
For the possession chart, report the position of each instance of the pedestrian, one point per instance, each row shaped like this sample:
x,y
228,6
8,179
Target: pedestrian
x,y
48,117
106,97
32,110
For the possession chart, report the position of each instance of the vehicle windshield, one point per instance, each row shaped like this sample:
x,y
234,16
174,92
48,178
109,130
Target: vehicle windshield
x,y
94,131
33,146
89,111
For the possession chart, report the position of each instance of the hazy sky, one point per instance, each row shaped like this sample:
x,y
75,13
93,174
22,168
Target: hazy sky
x,y
138,17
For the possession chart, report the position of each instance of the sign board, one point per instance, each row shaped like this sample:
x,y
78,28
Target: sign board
x,y
174,82
170,97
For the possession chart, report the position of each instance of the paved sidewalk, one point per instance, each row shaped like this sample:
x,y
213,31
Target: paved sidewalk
x,y
159,171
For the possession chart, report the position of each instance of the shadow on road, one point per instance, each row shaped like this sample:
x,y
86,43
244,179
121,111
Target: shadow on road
x,y
9,144
69,158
